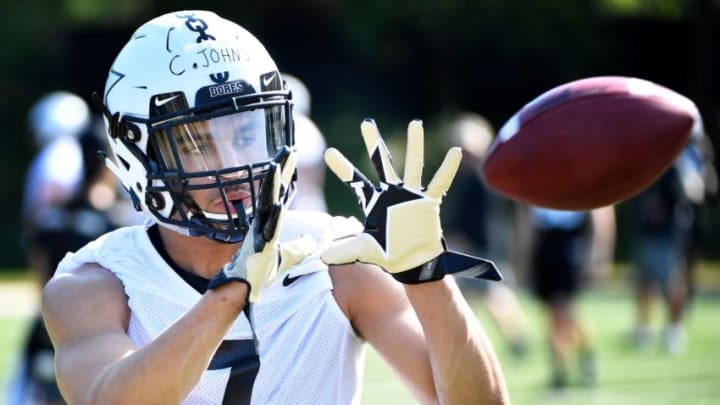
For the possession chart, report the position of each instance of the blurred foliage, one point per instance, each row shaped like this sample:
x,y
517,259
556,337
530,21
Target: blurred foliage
x,y
393,61
663,8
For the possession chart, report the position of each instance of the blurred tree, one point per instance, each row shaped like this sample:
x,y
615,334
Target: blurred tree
x,y
393,61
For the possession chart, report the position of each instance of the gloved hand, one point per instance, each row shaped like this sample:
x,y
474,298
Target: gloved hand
x,y
402,231
262,256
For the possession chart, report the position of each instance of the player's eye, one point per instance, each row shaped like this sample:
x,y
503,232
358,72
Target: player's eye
x,y
243,140
184,146
245,137
199,145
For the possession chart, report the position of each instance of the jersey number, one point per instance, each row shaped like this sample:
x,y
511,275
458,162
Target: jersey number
x,y
242,358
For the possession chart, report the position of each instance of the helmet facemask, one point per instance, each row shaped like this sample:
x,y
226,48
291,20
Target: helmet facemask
x,y
219,151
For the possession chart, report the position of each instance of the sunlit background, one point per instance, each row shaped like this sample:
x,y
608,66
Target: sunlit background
x,y
395,61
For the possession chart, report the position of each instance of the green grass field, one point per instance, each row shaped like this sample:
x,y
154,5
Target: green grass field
x,y
626,376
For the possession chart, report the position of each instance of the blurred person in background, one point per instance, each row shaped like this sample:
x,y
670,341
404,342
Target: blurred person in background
x,y
663,220
57,121
311,146
475,222
561,254
698,177
670,229
54,176
70,199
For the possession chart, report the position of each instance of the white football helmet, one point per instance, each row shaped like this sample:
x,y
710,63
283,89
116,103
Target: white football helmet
x,y
194,103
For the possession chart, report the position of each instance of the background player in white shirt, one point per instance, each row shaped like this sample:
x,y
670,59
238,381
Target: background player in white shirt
x,y
200,127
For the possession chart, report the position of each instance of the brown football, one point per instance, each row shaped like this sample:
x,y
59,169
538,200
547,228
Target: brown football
x,y
589,143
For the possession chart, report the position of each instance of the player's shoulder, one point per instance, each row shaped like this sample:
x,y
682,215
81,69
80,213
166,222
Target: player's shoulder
x,y
89,283
84,303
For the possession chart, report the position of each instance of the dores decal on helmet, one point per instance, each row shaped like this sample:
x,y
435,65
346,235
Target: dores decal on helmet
x,y
196,109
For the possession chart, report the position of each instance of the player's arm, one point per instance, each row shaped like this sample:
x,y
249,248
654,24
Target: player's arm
x,y
428,335
380,313
87,315
403,235
463,360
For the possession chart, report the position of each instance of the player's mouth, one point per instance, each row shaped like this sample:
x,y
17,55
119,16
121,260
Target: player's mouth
x,y
234,197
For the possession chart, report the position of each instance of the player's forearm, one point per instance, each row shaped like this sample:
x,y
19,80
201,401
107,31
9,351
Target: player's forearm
x,y
465,367
169,367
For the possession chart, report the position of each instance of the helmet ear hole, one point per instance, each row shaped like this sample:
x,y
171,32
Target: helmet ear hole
x,y
155,201
131,133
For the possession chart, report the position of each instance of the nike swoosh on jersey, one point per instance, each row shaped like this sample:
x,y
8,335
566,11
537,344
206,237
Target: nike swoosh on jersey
x,y
289,280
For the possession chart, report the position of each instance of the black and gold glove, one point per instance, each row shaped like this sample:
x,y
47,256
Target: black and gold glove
x,y
262,256
402,231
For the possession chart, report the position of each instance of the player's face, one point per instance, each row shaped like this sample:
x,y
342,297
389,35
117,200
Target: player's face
x,y
211,200
222,142
218,143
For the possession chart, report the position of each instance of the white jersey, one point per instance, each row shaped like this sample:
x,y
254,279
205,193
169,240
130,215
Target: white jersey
x,y
308,351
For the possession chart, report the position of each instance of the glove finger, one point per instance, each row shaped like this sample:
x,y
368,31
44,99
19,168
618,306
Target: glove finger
x,y
445,174
349,175
266,224
261,273
288,174
267,195
358,248
271,231
378,152
414,156
281,156
295,251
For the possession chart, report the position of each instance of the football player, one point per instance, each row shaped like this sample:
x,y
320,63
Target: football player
x,y
225,296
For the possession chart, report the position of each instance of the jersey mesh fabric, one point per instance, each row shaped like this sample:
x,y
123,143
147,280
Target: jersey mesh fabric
x,y
308,351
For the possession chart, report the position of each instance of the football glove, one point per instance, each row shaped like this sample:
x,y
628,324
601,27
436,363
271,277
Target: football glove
x,y
262,256
402,233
